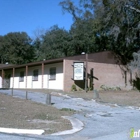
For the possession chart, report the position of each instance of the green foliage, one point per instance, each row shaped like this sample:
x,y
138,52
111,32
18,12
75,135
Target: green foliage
x,y
54,43
16,48
67,109
134,67
73,87
121,25
98,25
106,25
106,88
136,83
82,37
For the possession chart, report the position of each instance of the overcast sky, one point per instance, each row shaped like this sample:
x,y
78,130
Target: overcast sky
x,y
31,15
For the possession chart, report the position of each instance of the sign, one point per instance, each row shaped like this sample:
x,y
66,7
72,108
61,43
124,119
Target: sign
x,y
78,71
134,134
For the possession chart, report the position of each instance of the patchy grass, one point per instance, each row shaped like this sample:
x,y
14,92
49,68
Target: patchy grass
x,y
19,113
67,109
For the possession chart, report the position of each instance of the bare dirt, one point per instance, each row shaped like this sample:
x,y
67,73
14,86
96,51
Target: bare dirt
x,y
120,97
123,98
19,113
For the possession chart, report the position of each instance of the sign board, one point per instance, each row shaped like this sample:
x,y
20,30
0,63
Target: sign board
x,y
78,71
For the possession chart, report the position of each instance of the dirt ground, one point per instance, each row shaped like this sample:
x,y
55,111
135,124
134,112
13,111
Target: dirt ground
x,y
123,98
18,113
120,97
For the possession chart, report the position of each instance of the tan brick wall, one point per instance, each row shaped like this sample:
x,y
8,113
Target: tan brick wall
x,y
68,74
110,75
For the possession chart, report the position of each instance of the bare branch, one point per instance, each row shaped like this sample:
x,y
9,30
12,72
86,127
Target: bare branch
x,y
133,8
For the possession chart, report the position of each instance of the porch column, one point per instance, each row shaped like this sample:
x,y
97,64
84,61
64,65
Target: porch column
x,y
13,77
64,73
131,81
26,76
42,75
2,78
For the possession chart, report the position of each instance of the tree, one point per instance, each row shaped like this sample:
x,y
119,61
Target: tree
x,y
115,24
82,33
122,24
37,48
134,66
16,48
82,37
1,50
54,43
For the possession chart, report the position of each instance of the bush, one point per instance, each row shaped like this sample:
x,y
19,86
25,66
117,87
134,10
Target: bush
x,y
103,87
136,83
73,87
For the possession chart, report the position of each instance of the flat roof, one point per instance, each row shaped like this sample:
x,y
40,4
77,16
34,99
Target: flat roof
x,y
99,57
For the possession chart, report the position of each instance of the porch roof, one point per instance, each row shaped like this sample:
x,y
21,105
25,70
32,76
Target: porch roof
x,y
4,67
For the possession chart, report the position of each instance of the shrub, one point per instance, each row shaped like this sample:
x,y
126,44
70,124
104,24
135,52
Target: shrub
x,y
73,87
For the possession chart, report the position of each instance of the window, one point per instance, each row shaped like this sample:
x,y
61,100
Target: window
x,y
35,75
21,76
52,73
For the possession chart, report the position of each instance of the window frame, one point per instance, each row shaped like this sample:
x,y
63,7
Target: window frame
x,y
21,76
35,75
52,73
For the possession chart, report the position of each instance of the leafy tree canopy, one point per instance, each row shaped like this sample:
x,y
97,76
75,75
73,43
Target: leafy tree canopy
x,y
16,48
98,25
54,43
114,23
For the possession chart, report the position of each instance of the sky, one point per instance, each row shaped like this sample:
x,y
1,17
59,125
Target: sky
x,y
32,15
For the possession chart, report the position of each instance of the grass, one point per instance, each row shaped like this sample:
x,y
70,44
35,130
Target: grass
x,y
43,116
67,109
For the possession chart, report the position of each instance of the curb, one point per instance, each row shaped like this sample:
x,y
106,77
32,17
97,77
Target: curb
x,y
77,125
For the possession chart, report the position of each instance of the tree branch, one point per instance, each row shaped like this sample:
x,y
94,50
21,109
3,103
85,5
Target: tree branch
x,y
133,8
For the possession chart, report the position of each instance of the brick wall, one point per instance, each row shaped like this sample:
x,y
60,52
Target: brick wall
x,y
68,74
110,75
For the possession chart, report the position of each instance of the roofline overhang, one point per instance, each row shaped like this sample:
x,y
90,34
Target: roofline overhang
x,y
51,61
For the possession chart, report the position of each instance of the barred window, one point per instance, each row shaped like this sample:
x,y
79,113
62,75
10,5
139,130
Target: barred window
x,y
35,75
21,76
52,73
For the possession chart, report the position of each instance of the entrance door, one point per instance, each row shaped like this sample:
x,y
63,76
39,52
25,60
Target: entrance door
x,y
7,81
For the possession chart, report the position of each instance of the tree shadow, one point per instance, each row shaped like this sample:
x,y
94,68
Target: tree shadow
x,y
90,84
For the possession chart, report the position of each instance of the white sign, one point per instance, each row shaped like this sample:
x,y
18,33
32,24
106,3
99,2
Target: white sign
x,y
78,71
